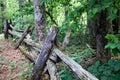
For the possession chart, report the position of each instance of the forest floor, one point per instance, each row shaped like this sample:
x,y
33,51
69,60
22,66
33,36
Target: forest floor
x,y
11,61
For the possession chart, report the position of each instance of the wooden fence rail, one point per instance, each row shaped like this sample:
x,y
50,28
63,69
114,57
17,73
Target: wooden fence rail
x,y
80,72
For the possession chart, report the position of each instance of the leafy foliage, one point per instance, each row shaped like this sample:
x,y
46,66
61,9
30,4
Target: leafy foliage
x,y
113,43
74,15
66,74
27,71
108,71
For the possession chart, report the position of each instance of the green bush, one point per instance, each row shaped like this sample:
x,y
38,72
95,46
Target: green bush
x,y
113,43
108,71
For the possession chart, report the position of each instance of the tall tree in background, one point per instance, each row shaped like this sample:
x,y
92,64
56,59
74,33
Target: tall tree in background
x,y
103,26
99,27
40,20
4,20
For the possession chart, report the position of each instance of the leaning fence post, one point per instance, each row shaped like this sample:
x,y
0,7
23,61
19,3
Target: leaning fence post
x,y
44,54
22,37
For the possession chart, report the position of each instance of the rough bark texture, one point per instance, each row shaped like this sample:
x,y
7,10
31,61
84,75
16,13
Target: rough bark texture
x,y
22,37
92,30
52,70
44,54
103,27
40,20
5,28
81,73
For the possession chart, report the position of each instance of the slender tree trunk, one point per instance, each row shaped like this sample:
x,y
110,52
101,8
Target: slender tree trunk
x,y
92,29
4,20
91,24
103,26
40,20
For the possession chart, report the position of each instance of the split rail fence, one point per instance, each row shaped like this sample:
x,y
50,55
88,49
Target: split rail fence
x,y
48,55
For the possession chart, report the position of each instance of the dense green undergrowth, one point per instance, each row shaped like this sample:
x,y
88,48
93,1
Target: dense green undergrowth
x,y
107,71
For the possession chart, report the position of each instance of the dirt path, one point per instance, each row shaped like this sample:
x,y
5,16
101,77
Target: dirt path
x,y
12,62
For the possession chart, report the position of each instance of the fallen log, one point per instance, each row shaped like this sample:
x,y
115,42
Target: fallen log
x,y
44,54
76,68
22,37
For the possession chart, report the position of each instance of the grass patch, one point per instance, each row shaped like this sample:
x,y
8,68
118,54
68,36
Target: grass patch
x,y
3,60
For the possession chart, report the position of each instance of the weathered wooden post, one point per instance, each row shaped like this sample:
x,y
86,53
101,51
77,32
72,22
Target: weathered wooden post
x,y
22,37
44,54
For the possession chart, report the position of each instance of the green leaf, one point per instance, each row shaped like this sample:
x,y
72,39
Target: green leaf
x,y
95,10
111,37
101,68
116,68
118,46
111,63
97,63
111,45
104,78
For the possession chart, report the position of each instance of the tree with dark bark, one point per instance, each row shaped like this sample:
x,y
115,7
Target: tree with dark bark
x,y
103,28
4,20
99,27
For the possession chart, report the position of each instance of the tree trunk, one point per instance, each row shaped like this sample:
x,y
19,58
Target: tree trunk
x,y
40,20
103,26
4,20
92,30
91,24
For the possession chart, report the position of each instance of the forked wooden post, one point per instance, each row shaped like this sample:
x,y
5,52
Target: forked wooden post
x,y
44,54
